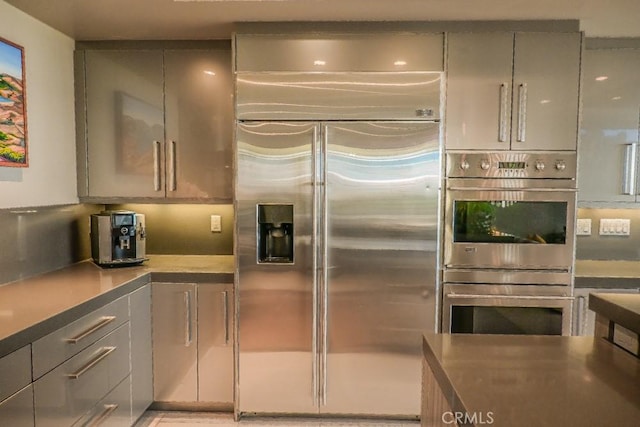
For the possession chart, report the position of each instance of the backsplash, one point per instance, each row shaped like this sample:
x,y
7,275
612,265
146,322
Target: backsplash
x,y
598,247
37,240
185,229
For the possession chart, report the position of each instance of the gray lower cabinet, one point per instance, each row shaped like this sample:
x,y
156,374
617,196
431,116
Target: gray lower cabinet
x,y
141,351
192,343
584,320
17,410
16,392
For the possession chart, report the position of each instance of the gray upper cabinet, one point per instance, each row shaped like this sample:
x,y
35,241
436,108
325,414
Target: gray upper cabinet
x,y
608,160
157,123
513,91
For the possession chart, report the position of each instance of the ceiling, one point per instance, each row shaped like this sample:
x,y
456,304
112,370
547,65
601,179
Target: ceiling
x,y
214,19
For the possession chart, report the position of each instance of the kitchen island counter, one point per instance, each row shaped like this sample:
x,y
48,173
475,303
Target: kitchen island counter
x,y
508,380
33,307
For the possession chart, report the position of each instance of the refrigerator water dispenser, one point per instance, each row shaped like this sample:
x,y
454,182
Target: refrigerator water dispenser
x,y
275,233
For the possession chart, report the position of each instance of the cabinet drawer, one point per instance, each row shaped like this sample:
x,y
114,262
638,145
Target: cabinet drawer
x,y
17,411
73,388
112,411
15,371
58,346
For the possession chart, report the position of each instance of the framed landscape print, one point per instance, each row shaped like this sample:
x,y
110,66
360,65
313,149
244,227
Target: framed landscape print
x,y
13,112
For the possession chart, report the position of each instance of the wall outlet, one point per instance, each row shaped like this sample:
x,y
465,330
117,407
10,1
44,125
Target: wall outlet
x,y
583,227
615,227
216,224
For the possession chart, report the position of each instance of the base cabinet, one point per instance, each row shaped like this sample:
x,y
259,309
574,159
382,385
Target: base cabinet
x,y
584,320
141,352
192,344
17,410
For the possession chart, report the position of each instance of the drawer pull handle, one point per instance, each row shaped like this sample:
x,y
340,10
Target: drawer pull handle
x,y
104,321
108,410
99,358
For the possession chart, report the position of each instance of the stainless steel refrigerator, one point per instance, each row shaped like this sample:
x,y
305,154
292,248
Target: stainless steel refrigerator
x,y
337,230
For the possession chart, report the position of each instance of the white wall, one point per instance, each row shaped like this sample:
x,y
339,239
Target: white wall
x,y
50,178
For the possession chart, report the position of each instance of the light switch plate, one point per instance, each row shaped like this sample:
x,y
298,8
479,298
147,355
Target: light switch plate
x,y
216,224
615,227
583,227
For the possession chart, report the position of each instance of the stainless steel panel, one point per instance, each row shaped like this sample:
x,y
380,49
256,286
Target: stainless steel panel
x,y
340,96
331,52
512,255
15,371
53,349
199,123
275,338
124,91
175,370
17,410
215,343
546,79
479,91
63,395
549,278
382,228
141,352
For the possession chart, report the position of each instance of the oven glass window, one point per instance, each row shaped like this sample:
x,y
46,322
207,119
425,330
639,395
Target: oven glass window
x,y
506,320
510,222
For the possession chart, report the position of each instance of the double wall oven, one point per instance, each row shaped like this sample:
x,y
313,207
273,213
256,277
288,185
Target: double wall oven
x,y
509,242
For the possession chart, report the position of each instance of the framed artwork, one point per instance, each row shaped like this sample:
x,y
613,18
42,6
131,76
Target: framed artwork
x,y
13,111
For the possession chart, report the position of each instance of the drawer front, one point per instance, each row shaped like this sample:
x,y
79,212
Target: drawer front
x,y
15,371
112,411
17,411
58,346
73,388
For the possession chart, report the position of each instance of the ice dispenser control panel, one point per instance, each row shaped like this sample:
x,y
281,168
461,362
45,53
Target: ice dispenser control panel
x,y
275,233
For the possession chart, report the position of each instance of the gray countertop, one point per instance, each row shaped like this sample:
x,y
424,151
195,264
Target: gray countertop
x,y
526,380
623,309
34,307
607,274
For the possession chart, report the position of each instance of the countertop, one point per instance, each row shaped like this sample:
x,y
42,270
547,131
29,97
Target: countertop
x,y
34,307
623,309
607,274
526,380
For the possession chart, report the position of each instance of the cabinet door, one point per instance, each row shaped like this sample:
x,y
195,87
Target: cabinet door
x,y
199,118
125,123
215,343
175,371
17,410
546,80
609,131
479,91
141,352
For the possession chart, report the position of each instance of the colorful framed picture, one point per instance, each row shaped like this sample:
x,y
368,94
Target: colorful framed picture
x,y
13,111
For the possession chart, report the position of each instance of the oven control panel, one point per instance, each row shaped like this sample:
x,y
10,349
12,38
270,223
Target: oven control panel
x,y
511,164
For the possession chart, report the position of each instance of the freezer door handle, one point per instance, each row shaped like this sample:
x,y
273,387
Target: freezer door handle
x,y
314,243
325,269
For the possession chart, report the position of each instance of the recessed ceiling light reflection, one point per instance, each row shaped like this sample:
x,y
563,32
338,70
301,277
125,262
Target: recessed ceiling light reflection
x,y
209,72
400,63
616,98
601,78
545,101
319,62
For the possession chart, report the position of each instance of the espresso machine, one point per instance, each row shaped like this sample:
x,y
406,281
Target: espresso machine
x,y
118,238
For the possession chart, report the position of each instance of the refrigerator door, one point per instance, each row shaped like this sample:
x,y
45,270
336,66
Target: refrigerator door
x,y
380,281
276,339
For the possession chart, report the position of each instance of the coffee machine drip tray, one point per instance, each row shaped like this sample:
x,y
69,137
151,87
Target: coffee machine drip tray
x,y
124,262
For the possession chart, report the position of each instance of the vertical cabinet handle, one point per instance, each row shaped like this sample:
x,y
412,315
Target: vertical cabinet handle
x,y
629,170
325,267
172,166
188,331
503,113
157,178
315,185
522,112
225,311
580,311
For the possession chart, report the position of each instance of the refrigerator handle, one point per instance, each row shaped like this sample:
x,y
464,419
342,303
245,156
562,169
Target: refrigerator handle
x,y
314,246
325,269
628,170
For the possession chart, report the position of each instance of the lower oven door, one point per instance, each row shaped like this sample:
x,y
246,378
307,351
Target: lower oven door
x,y
506,314
489,227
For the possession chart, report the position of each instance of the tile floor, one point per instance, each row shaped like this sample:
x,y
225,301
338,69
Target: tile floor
x,y
199,419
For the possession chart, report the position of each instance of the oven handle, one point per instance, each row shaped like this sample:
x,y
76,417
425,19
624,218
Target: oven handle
x,y
528,190
518,297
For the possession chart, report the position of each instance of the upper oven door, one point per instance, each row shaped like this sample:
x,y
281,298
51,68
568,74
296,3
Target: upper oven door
x,y
490,225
